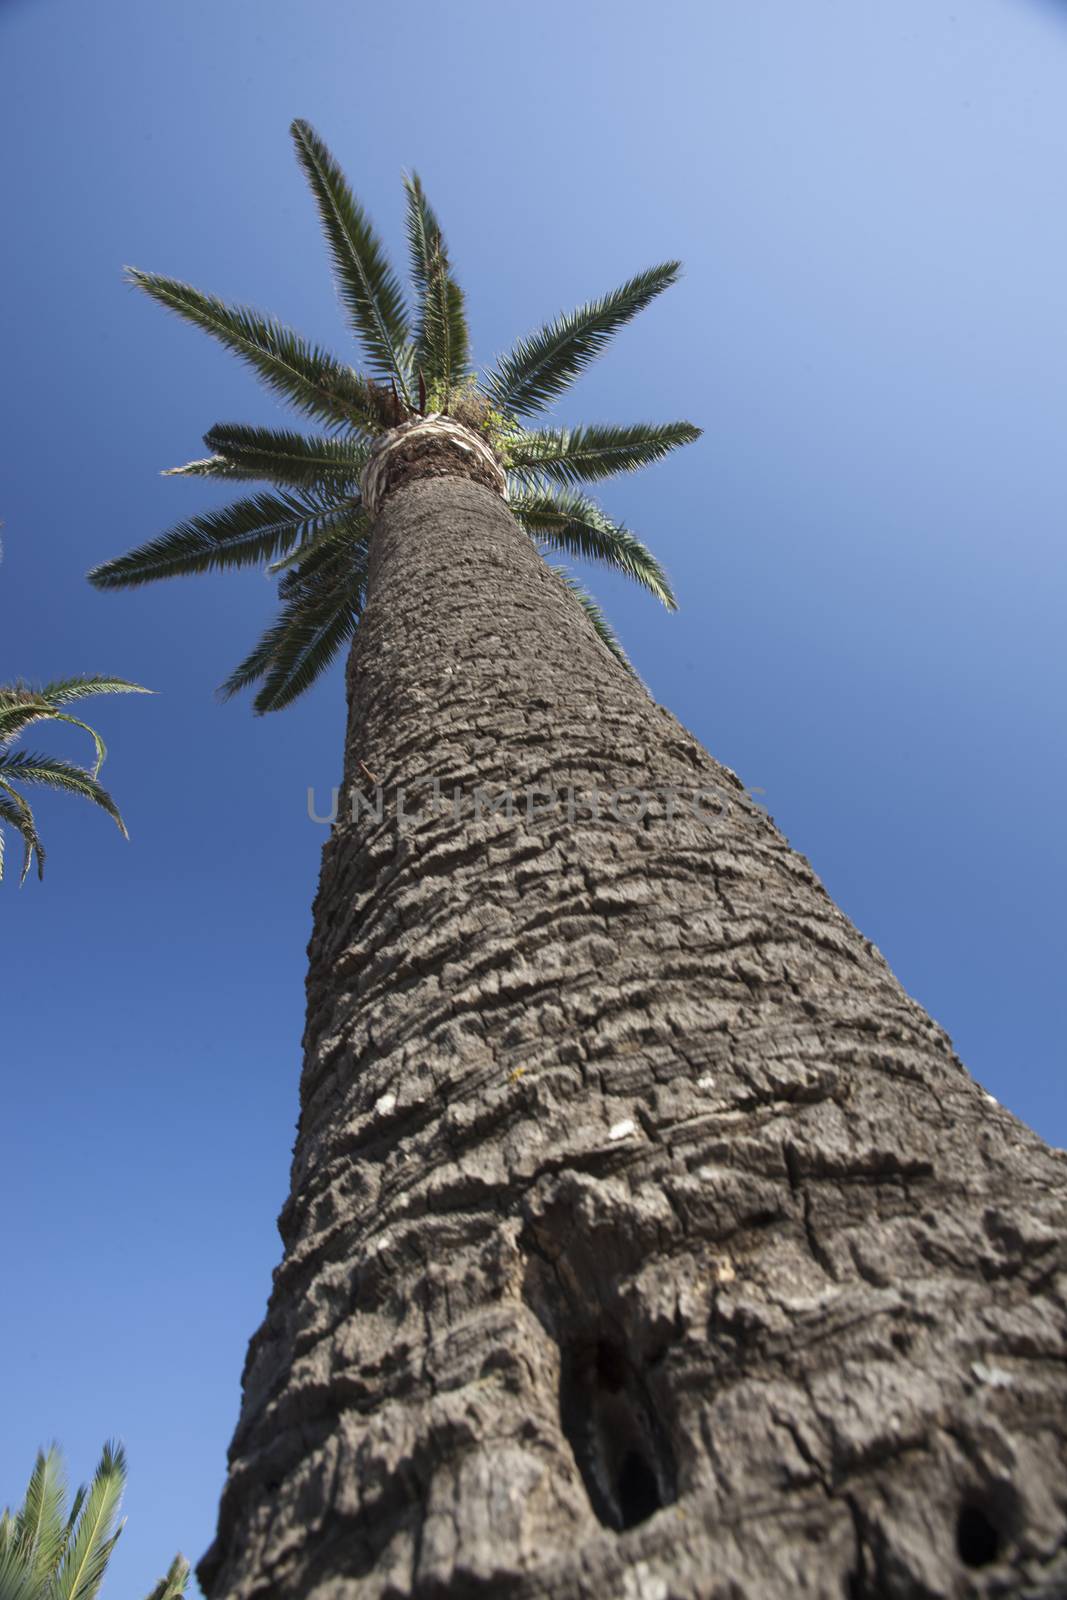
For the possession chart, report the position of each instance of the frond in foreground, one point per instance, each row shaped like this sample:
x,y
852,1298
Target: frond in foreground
x,y
21,706
48,1552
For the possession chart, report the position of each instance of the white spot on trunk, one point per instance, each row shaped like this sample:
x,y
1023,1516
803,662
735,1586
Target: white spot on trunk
x,y
706,1082
996,1377
993,1101
641,1583
384,1104
622,1130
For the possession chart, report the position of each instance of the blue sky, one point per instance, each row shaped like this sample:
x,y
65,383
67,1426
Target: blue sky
x,y
868,543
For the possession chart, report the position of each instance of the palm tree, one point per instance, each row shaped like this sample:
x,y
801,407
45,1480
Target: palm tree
x,y
644,1238
20,707
52,1551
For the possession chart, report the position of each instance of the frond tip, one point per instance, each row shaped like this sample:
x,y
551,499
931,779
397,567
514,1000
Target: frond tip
x,y
442,342
543,366
601,626
301,373
568,521
581,455
366,283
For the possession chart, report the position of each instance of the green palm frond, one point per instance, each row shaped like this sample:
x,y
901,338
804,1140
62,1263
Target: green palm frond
x,y
276,456
50,1553
65,691
322,602
542,366
442,339
566,520
313,531
352,533
93,1539
368,286
212,467
76,1506
576,455
21,706
16,812
243,534
303,374
602,627
25,766
39,1529
172,1587
17,1581
290,459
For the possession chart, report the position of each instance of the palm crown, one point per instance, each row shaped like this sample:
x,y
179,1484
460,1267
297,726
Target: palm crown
x,y
312,526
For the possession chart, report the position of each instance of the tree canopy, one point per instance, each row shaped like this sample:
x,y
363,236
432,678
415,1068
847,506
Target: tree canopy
x,y
311,527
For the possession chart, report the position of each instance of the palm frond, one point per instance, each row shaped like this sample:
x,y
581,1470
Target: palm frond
x,y
21,706
542,366
24,766
290,459
566,520
17,1581
243,534
322,602
211,467
354,531
442,339
15,811
274,456
368,286
303,374
172,1587
76,1506
94,1537
65,691
604,631
40,1531
575,455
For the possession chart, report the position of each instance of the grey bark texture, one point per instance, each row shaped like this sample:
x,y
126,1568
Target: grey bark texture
x,y
645,1239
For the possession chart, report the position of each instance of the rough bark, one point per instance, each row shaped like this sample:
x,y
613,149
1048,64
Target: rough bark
x,y
645,1238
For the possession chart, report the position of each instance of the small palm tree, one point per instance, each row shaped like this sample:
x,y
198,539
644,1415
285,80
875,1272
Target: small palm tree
x,y
49,1551
314,528
20,707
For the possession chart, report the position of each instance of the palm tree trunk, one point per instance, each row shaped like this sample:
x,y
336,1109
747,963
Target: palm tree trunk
x,y
645,1239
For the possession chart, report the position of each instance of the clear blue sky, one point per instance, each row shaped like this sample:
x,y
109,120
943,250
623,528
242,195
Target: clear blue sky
x,y
868,542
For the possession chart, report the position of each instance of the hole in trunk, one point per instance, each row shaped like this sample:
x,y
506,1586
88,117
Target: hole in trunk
x,y
618,1445
977,1539
637,1491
